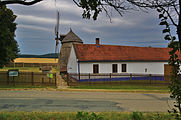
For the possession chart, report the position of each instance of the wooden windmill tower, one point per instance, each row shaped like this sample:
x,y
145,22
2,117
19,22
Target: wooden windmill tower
x,y
66,43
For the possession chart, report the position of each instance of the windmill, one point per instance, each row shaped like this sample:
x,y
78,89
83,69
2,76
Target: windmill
x,y
56,32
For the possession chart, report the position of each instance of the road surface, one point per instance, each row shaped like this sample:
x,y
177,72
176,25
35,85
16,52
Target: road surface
x,y
69,101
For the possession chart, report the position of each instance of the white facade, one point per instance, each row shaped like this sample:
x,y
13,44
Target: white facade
x,y
131,67
106,67
72,66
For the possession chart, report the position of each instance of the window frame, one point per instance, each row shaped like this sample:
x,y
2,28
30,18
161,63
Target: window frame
x,y
124,68
114,68
94,69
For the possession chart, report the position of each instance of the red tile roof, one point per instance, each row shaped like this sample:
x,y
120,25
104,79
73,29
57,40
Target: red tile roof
x,y
92,52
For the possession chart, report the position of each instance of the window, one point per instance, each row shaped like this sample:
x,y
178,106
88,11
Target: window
x,y
114,68
95,68
124,68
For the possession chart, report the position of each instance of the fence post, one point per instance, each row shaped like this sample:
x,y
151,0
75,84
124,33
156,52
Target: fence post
x,y
131,76
42,80
67,77
7,78
89,79
49,80
150,78
55,79
32,78
110,77
13,81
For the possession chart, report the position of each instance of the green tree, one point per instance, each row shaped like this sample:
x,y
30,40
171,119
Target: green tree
x,y
8,45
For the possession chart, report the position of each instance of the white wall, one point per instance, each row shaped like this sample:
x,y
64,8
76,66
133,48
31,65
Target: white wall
x,y
88,67
152,67
72,66
132,67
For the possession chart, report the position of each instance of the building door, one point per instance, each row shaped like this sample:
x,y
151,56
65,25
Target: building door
x,y
95,68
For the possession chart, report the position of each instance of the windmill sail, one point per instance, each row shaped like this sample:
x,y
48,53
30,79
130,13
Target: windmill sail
x,y
57,32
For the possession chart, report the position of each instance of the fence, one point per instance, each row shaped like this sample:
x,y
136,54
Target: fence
x,y
30,64
28,78
114,79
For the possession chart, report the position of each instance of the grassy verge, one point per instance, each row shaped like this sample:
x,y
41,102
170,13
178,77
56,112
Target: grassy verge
x,y
155,89
5,87
123,87
83,116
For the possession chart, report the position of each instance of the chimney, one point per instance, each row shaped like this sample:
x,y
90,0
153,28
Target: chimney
x,y
97,41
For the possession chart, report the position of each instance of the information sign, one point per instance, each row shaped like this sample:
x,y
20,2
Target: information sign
x,y
13,72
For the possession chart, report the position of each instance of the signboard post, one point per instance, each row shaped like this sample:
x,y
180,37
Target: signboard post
x,y
13,73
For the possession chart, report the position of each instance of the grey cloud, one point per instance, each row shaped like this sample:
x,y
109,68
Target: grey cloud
x,y
35,33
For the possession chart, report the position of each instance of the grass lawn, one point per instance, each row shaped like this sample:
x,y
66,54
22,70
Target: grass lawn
x,y
6,87
27,69
84,116
124,87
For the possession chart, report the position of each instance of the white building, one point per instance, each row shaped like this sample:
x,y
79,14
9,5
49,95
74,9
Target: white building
x,y
97,58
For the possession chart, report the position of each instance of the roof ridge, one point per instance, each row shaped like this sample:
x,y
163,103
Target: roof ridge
x,y
71,37
125,46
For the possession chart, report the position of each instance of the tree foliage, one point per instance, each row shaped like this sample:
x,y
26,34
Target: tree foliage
x,y
8,45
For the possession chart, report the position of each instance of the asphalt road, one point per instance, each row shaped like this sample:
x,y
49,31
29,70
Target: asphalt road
x,y
31,100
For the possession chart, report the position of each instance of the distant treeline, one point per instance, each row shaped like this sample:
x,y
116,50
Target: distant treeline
x,y
50,55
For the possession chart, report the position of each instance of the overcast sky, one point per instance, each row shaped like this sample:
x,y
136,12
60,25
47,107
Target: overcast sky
x,y
35,29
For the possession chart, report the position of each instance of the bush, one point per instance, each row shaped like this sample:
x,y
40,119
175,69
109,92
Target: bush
x,y
137,116
88,116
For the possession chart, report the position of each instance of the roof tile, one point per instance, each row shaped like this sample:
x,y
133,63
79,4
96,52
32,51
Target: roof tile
x,y
71,37
92,52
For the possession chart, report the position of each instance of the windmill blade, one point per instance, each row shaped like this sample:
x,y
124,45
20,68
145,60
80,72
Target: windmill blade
x,y
57,31
58,17
57,24
56,46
